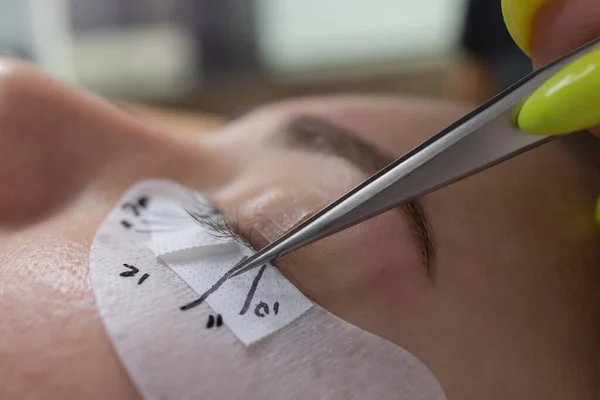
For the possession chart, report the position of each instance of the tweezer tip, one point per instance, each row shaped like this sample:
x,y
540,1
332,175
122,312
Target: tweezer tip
x,y
238,272
247,265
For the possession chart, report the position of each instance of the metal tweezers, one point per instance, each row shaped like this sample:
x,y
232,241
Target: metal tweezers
x,y
483,138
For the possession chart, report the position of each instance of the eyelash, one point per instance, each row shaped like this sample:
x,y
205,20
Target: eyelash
x,y
214,221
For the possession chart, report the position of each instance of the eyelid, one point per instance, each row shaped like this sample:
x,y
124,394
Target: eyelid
x,y
271,213
223,222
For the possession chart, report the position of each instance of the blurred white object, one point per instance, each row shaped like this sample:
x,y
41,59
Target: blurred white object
x,y
142,62
309,34
38,30
51,36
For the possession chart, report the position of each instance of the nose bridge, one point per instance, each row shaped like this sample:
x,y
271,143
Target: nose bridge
x,y
55,141
43,142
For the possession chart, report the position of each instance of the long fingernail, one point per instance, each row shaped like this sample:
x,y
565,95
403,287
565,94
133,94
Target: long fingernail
x,y
597,214
567,102
518,17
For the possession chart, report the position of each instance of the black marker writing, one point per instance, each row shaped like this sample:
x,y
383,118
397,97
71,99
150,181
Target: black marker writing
x,y
135,209
212,321
250,294
143,278
262,309
132,271
212,289
143,201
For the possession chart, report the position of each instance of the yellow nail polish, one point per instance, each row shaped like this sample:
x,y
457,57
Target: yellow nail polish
x,y
518,17
597,214
567,102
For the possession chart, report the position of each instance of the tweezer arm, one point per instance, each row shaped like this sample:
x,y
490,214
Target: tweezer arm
x,y
481,139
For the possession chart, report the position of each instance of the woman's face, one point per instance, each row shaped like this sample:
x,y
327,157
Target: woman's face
x,y
489,280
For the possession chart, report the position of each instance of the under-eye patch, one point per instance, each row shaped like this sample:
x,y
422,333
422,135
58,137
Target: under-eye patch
x,y
181,329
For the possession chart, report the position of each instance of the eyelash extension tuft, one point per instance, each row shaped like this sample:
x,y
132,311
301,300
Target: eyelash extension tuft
x,y
214,221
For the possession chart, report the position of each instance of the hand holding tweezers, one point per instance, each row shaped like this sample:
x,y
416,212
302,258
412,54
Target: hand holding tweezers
x,y
483,138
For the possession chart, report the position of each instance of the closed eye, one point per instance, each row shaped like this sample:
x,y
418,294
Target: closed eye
x,y
317,135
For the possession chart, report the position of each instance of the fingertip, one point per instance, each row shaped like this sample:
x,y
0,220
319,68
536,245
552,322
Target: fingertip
x,y
567,102
597,212
518,18
562,25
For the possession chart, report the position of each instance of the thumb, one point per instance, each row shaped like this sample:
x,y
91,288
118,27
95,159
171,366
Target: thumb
x,y
546,29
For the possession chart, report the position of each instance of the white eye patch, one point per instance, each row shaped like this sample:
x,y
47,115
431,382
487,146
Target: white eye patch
x,y
143,272
253,305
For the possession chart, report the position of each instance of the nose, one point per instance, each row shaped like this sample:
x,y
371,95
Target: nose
x,y
55,141
37,120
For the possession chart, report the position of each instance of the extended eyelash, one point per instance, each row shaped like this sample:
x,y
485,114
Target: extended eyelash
x,y
214,221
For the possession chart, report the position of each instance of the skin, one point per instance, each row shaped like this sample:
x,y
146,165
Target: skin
x,y
560,26
469,80
508,310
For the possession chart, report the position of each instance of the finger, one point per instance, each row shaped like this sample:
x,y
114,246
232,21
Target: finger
x,y
562,25
567,102
518,17
546,29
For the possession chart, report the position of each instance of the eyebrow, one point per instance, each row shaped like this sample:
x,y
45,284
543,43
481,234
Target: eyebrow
x,y
316,134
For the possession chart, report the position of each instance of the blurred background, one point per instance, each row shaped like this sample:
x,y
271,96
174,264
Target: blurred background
x,y
217,56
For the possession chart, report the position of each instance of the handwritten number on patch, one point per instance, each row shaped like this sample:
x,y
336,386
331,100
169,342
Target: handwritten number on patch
x,y
126,224
132,271
135,208
250,294
143,278
212,289
143,201
214,322
262,309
